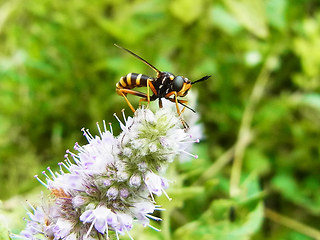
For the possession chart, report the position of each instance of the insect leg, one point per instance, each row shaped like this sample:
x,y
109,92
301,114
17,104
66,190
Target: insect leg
x,y
175,99
183,103
142,100
123,92
150,85
160,103
184,123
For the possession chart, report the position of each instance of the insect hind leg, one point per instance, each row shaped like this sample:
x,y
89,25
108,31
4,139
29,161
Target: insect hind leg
x,y
150,85
142,100
123,92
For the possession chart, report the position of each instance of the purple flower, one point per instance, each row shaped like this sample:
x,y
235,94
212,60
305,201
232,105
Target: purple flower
x,y
40,222
100,218
155,184
62,228
108,184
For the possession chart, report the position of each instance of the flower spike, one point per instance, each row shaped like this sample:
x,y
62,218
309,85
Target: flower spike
x,y
112,182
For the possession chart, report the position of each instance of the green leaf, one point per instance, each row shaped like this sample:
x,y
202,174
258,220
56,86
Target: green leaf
x,y
257,161
217,223
228,219
251,14
186,11
224,20
285,184
312,99
307,197
308,41
276,13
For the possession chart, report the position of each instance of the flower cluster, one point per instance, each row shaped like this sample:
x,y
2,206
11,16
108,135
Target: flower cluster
x,y
105,186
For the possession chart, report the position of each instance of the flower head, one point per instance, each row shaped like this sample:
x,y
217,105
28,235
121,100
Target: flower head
x,y
109,183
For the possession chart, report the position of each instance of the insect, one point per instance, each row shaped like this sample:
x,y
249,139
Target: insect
x,y
165,85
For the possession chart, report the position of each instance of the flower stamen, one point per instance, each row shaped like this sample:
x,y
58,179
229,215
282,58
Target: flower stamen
x,y
165,193
98,126
67,160
45,174
67,167
110,126
60,168
190,154
90,228
154,228
40,181
52,174
121,124
124,117
192,141
153,217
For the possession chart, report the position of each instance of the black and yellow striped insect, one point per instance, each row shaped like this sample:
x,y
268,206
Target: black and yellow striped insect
x,y
165,85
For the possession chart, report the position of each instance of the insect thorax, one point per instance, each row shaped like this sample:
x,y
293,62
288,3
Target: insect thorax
x,y
163,84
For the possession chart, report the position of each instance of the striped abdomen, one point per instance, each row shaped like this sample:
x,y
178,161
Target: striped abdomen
x,y
132,80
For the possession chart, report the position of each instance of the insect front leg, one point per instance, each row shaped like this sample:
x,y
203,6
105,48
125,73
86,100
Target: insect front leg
x,y
175,99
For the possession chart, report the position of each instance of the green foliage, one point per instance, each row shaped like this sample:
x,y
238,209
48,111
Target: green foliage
x,y
4,231
232,219
58,70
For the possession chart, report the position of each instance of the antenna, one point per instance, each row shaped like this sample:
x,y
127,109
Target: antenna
x,y
140,58
201,79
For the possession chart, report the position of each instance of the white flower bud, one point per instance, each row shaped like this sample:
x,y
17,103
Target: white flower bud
x,y
142,166
112,193
124,193
135,181
78,201
153,147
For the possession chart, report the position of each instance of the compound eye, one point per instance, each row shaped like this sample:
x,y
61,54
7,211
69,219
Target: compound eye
x,y
178,82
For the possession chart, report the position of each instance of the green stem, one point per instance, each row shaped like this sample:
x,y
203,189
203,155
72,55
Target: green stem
x,y
165,224
293,224
222,161
245,135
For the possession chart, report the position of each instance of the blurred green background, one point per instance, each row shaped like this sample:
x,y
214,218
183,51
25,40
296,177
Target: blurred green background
x,y
257,176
